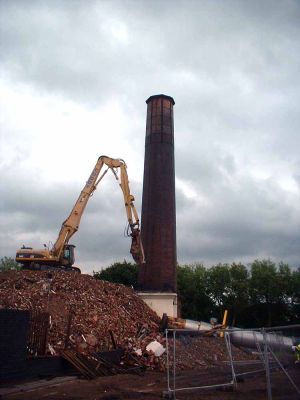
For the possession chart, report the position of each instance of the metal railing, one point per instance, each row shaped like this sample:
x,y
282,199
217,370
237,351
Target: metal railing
x,y
272,348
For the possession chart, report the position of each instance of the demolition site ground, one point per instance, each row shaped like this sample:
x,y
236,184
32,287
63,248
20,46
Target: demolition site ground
x,y
153,385
89,317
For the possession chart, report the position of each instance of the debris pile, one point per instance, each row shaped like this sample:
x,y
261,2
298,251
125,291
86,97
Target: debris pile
x,y
93,313
194,352
90,316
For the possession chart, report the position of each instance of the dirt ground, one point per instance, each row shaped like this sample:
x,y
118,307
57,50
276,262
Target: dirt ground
x,y
153,385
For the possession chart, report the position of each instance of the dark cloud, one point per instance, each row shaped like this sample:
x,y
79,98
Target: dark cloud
x,y
238,220
233,70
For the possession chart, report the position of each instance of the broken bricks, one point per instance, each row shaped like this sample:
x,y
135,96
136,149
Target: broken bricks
x,y
104,316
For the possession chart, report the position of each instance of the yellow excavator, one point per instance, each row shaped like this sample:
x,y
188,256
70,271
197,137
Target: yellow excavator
x,y
61,256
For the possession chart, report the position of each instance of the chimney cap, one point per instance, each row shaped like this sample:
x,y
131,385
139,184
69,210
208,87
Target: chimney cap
x,y
156,96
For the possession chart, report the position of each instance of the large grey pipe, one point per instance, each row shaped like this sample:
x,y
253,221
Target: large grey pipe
x,y
251,339
241,338
197,325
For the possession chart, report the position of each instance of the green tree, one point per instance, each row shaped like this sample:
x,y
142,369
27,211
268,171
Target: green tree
x,y
267,295
124,272
192,292
8,263
218,285
295,297
284,309
237,292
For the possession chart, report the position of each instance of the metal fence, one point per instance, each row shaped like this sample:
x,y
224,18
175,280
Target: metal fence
x,y
269,349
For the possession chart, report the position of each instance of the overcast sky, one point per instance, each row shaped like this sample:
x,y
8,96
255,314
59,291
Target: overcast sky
x,y
74,79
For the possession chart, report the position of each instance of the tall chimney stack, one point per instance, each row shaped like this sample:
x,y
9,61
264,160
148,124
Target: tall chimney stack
x,y
158,225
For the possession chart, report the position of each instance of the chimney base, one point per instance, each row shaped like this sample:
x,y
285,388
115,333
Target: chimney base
x,y
161,302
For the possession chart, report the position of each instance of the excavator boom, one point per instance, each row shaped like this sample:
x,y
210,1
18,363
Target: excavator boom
x,y
62,253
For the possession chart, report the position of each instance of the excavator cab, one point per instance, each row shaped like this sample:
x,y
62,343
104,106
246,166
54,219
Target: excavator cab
x,y
69,255
68,258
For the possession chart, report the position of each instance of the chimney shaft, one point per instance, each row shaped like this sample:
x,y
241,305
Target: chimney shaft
x,y
158,223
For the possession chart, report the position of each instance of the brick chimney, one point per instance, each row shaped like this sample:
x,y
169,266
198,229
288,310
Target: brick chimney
x,y
158,224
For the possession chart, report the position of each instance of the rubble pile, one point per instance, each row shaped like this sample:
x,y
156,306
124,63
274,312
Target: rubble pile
x,y
92,308
90,315
193,352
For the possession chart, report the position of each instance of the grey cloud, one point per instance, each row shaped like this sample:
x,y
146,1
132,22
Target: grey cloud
x,y
243,221
232,68
69,48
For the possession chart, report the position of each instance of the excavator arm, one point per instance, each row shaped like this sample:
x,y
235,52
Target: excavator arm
x,y
71,224
136,249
